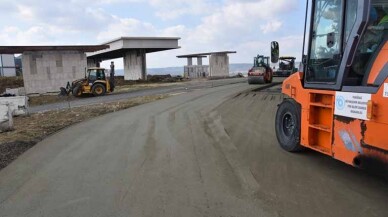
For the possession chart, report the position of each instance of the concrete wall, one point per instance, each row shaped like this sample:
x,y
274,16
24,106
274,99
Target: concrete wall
x,y
92,63
47,71
135,66
219,65
196,71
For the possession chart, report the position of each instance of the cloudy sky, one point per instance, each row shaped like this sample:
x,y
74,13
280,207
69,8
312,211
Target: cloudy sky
x,y
247,26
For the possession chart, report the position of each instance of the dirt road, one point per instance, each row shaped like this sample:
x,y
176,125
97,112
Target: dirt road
x,y
209,152
117,96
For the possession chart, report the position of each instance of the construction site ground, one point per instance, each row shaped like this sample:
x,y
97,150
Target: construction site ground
x,y
29,130
208,152
44,121
43,99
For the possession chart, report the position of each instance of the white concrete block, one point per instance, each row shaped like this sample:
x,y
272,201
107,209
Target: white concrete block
x,y
18,104
16,91
3,113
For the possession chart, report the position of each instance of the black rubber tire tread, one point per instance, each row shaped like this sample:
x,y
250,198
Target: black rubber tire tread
x,y
95,87
76,90
289,143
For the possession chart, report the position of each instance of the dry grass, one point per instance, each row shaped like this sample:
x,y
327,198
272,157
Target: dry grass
x,y
54,98
47,99
10,82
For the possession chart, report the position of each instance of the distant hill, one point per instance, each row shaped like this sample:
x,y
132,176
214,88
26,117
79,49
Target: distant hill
x,y
233,68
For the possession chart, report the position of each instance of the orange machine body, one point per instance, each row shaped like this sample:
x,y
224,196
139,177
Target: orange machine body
x,y
354,141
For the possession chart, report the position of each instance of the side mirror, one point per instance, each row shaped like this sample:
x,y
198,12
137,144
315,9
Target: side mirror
x,y
274,52
85,72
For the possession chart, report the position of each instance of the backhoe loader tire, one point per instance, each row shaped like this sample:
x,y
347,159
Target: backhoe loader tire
x,y
288,124
98,90
77,90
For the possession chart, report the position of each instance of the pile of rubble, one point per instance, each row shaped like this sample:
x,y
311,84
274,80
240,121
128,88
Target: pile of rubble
x,y
164,78
119,80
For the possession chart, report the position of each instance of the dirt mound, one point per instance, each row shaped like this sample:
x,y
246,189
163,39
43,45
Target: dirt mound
x,y
10,82
119,80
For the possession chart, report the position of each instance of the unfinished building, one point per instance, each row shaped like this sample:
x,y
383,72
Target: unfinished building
x,y
134,51
218,65
47,68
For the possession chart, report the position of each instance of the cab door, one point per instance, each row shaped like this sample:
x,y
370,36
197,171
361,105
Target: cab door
x,y
334,27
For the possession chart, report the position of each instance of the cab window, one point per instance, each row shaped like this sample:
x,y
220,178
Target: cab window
x,y
92,75
370,43
350,18
325,45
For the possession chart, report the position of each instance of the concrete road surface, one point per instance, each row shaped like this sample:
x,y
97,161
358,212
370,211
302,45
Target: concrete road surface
x,y
209,152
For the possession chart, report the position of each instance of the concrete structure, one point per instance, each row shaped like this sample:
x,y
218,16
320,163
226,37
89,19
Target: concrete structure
x,y
134,51
218,65
7,65
20,91
196,71
47,68
11,106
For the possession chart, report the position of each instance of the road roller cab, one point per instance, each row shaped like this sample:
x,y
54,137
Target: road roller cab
x,y
261,71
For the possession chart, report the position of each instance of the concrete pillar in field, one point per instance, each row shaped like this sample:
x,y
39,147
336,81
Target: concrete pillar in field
x,y
135,66
186,72
199,61
189,61
219,65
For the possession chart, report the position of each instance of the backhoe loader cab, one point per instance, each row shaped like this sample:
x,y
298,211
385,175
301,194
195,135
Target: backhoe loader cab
x,y
338,103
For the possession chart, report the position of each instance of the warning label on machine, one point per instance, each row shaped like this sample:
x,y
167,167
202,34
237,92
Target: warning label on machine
x,y
385,93
353,105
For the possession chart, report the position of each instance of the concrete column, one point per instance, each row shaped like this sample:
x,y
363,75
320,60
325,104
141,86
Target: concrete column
x,y
186,72
219,65
135,67
93,63
189,61
199,61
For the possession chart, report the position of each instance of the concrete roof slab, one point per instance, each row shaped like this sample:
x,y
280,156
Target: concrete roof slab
x,y
118,47
205,54
21,49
